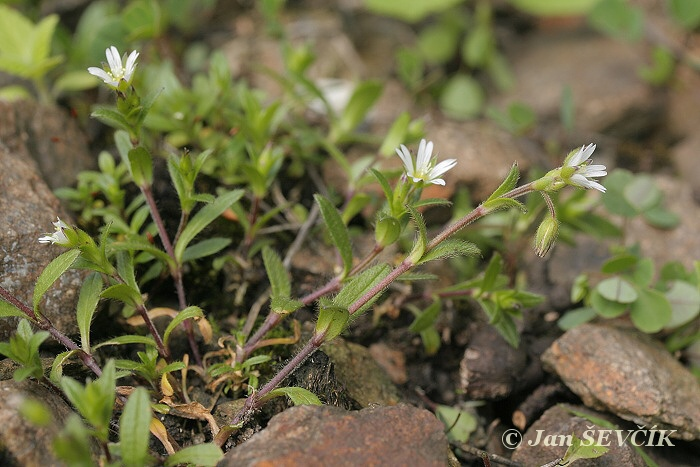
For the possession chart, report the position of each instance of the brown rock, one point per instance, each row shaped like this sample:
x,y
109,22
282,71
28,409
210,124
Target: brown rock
x,y
558,423
324,436
28,208
628,374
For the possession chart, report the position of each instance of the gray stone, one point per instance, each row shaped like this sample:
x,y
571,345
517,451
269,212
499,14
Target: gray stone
x,y
323,436
23,443
629,374
49,136
28,208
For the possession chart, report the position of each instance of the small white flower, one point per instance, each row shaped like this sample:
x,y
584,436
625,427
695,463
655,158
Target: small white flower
x,y
424,170
584,171
58,236
116,71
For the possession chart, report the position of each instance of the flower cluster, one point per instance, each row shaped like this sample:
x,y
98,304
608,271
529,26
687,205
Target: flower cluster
x,y
577,171
115,72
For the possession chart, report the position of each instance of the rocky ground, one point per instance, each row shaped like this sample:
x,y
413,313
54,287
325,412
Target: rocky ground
x,y
384,386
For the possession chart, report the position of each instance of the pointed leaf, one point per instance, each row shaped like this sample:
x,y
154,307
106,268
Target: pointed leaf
x,y
492,272
127,339
422,241
508,183
298,396
87,305
141,166
203,455
337,230
123,293
277,274
134,427
359,286
450,248
187,313
383,182
499,204
331,321
7,310
203,218
51,273
426,318
204,248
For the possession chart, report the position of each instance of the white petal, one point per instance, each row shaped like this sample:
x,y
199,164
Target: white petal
x,y
425,150
580,180
438,181
596,186
46,239
406,158
595,171
442,167
130,65
100,73
581,155
114,60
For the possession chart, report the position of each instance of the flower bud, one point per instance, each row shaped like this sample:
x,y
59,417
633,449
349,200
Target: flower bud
x,y
387,231
546,235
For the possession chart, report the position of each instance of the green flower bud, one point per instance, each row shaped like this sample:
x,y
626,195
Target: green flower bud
x,y
387,231
546,235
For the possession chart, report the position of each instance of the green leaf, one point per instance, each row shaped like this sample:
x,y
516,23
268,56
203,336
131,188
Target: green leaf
x,y
24,46
450,248
619,263
575,317
617,289
51,273
204,248
141,166
359,285
331,321
386,188
661,218
554,8
396,135
651,311
462,97
642,193
685,12
7,310
298,396
421,242
508,183
644,272
203,218
492,272
577,450
605,307
204,455
124,293
362,99
127,339
57,365
499,204
110,117
684,299
87,305
618,19
187,313
277,274
285,306
134,427
337,230
409,10
426,318
460,423
431,340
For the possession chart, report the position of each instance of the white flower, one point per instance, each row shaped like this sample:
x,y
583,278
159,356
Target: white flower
x,y
424,169
584,171
58,236
116,71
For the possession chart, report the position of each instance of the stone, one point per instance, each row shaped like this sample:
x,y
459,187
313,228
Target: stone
x,y
601,72
49,136
22,442
357,371
558,422
323,435
629,374
28,208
